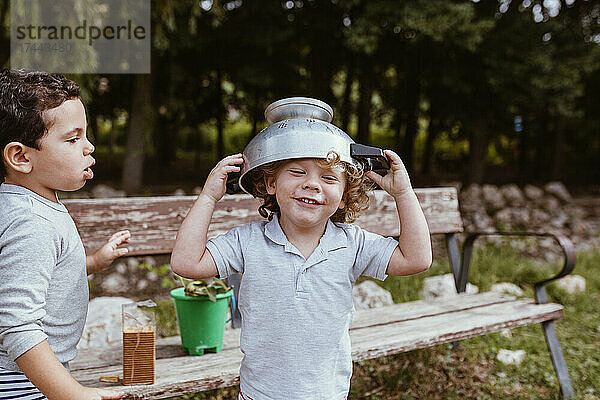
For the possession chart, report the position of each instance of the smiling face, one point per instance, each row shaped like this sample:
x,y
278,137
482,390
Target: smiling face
x,y
307,193
63,161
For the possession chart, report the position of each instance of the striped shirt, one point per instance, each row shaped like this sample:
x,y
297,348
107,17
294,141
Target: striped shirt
x,y
15,385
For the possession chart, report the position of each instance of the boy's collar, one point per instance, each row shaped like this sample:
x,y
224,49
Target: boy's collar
x,y
18,189
334,237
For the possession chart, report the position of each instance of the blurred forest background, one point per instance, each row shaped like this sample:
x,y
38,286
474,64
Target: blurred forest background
x,y
488,91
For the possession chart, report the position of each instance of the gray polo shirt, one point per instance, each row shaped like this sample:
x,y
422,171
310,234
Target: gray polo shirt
x,y
296,312
43,277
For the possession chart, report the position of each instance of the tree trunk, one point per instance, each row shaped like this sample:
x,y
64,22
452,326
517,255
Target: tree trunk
x,y
432,133
522,166
364,104
540,147
220,117
477,131
94,126
255,113
400,123
140,122
346,99
165,141
556,170
413,90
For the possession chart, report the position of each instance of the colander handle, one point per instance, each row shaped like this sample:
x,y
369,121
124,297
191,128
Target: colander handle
x,y
372,158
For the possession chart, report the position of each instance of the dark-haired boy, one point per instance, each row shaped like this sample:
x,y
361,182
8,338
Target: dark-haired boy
x,y
43,266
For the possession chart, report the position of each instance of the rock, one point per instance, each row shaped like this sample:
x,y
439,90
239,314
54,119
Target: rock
x,y
506,333
141,284
442,286
533,193
482,221
521,216
559,218
513,195
511,357
492,197
471,192
103,324
508,288
574,211
503,220
550,204
150,261
103,191
115,283
572,283
539,217
370,295
179,192
132,264
470,199
558,190
121,268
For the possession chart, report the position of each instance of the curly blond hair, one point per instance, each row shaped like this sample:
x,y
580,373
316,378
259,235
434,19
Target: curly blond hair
x,y
355,194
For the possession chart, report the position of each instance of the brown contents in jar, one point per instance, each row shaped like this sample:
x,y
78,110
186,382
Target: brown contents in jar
x,y
139,355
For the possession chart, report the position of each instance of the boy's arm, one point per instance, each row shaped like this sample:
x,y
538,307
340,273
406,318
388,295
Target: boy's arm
x,y
413,254
106,254
43,369
190,258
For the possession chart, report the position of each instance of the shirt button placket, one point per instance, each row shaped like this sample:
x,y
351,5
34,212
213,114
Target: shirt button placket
x,y
300,289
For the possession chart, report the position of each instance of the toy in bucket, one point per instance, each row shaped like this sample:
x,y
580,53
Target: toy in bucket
x,y
139,335
201,309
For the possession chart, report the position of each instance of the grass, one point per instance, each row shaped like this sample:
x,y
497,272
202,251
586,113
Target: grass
x,y
470,371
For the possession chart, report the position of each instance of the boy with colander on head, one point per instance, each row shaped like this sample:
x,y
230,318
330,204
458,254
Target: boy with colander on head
x,y
298,267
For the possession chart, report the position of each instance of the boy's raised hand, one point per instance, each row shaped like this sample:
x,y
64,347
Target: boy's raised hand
x,y
396,182
216,183
107,253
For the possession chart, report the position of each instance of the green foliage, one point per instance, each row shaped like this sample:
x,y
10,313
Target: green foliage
x,y
163,271
470,68
166,320
206,288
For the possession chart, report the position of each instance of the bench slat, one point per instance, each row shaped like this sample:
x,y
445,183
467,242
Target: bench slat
x,y
154,221
425,332
474,314
424,308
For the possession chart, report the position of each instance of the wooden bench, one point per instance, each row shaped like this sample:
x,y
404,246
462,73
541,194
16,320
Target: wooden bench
x,y
154,222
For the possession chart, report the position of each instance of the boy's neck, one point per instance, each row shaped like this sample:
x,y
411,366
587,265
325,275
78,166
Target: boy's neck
x,y
47,194
305,240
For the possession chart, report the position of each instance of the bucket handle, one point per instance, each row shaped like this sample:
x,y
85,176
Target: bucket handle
x,y
233,308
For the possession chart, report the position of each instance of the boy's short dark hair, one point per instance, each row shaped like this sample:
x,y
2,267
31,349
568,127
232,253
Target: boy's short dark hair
x,y
24,96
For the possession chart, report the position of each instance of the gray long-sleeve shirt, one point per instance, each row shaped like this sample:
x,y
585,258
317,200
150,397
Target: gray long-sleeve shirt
x,y
43,278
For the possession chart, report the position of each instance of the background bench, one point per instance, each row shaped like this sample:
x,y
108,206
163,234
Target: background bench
x,y
154,221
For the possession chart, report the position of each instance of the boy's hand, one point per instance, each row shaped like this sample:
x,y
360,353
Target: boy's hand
x,y
101,394
107,253
215,185
396,182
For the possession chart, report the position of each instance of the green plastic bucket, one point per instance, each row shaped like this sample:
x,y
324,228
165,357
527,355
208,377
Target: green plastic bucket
x,y
201,321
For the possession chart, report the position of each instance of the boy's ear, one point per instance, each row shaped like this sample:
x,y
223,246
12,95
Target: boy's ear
x,y
16,156
270,184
